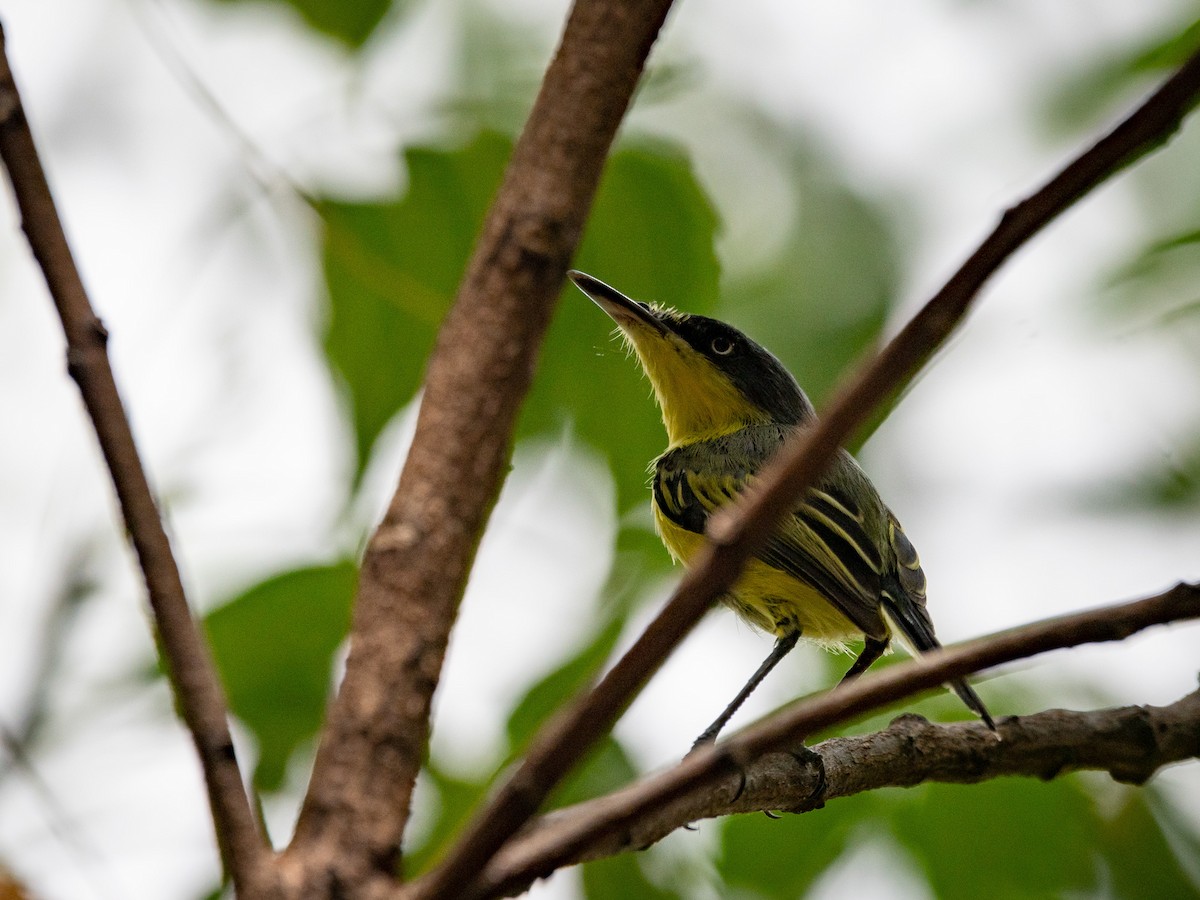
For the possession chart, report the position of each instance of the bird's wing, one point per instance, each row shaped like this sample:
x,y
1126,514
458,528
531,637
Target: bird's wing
x,y
906,590
823,544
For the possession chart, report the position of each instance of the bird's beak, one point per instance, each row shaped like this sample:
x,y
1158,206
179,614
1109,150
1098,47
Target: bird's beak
x,y
621,309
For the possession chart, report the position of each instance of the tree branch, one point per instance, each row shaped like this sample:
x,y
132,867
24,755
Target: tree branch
x,y
416,564
1131,743
188,664
737,531
605,822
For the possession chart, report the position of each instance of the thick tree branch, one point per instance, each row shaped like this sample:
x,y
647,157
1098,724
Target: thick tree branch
x,y
416,564
609,819
1131,743
185,655
739,530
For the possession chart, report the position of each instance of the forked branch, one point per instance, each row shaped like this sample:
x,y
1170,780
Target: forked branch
x,y
416,564
739,530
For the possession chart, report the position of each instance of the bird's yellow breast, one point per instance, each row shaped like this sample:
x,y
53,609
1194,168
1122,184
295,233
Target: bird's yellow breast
x,y
766,597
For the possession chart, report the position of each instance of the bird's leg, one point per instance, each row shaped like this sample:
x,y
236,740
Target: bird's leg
x,y
871,651
782,647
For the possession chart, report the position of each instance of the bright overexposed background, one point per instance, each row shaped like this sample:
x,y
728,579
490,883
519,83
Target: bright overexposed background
x,y
173,133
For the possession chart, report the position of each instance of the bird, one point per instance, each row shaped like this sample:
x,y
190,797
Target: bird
x,y
839,568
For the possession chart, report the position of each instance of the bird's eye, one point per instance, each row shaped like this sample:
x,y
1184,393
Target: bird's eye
x,y
722,346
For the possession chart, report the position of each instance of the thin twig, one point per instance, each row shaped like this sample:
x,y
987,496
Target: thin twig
x,y
704,783
740,529
416,564
185,655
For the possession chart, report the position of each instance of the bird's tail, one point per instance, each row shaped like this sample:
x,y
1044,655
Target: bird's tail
x,y
914,627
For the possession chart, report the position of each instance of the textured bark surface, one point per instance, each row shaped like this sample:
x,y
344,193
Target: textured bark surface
x,y
184,653
347,843
416,565
1130,743
736,531
708,768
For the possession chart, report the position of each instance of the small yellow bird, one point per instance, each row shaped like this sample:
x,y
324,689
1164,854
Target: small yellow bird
x,y
840,568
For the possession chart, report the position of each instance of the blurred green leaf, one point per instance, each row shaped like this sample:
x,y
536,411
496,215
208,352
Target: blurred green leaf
x,y
350,23
1010,838
1085,99
606,768
784,857
274,647
499,66
565,682
650,236
1154,298
1138,856
621,878
1168,481
391,270
1154,280
640,558
1179,240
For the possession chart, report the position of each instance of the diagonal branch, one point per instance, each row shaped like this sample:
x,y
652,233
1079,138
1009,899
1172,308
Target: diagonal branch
x,y
737,531
1131,743
416,564
185,655
703,784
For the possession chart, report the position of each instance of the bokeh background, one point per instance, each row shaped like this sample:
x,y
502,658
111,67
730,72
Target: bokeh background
x,y
272,203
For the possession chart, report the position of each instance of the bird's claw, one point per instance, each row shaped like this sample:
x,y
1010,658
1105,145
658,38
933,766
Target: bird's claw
x,y
810,759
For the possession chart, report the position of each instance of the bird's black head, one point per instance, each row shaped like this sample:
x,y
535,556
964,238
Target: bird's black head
x,y
709,378
756,373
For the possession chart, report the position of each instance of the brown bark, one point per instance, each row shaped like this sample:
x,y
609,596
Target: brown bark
x,y
704,771
1131,743
184,653
347,842
737,531
416,564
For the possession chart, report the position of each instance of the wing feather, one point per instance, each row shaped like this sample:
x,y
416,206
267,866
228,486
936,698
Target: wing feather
x,y
823,544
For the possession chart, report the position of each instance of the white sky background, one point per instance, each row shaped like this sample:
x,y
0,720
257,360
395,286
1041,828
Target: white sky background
x,y
210,293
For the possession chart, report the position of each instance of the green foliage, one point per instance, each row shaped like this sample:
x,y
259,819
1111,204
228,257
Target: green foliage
x,y
650,236
350,23
1006,839
392,269
1018,838
785,857
621,878
1154,297
1139,858
607,767
274,647
1165,481
560,685
1000,839
1088,97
